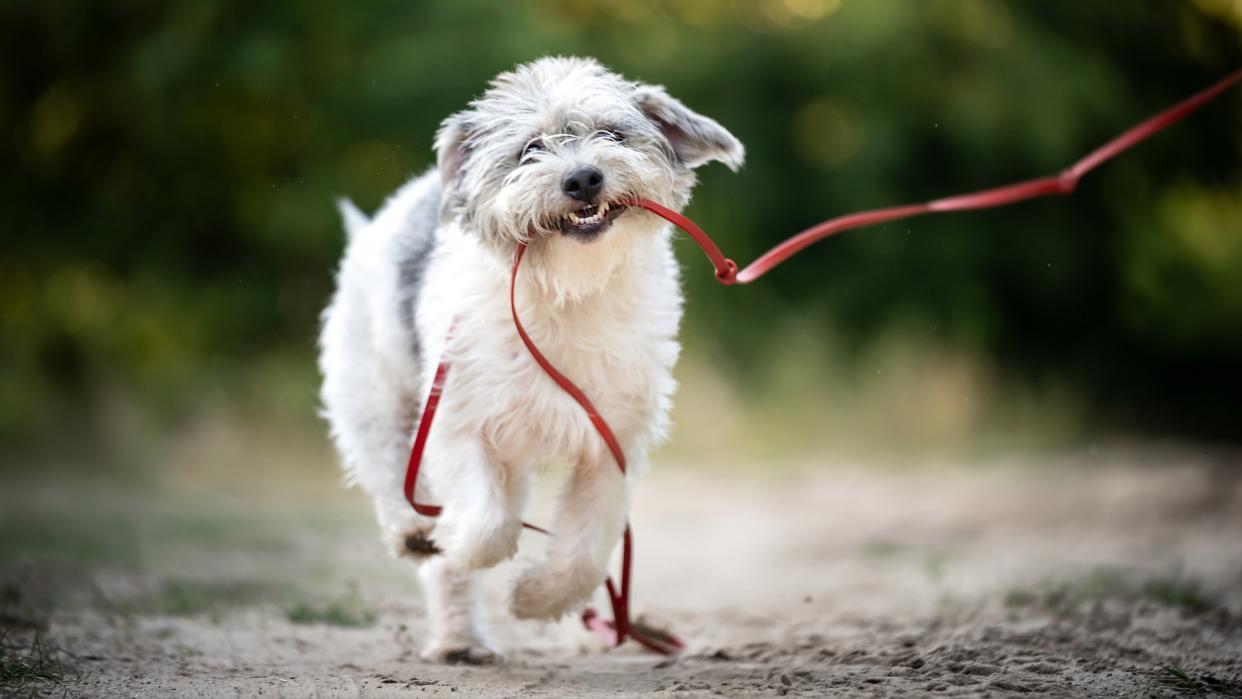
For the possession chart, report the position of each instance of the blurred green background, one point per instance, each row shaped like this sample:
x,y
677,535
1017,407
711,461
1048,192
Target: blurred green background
x,y
169,231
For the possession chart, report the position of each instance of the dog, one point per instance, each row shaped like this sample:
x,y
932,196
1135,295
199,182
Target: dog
x,y
548,155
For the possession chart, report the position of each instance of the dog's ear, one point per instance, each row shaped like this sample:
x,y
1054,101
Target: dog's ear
x,y
696,139
451,146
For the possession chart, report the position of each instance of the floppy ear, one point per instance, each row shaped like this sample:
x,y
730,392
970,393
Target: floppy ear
x,y
696,139
451,148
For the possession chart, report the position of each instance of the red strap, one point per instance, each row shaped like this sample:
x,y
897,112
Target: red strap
x,y
424,427
1064,183
613,632
568,386
617,631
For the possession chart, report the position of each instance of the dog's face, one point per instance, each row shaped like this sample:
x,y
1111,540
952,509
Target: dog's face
x,y
554,148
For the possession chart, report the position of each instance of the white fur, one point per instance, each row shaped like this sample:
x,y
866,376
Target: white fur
x,y
605,312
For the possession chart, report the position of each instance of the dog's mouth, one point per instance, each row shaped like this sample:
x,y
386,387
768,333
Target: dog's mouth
x,y
589,221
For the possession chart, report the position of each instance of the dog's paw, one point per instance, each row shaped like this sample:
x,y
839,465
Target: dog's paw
x,y
548,592
482,542
476,653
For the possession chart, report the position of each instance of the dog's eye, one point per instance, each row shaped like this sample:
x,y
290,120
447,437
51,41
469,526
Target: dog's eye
x,y
613,135
535,146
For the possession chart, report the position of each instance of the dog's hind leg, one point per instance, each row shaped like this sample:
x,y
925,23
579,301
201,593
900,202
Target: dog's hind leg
x,y
375,442
372,410
456,634
589,523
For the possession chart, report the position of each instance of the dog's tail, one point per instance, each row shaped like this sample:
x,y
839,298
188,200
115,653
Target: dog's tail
x,y
353,217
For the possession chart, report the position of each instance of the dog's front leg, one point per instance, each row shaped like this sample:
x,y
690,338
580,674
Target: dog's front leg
x,y
456,634
589,522
482,501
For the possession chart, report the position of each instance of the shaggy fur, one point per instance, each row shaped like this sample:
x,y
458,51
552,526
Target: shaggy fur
x,y
603,302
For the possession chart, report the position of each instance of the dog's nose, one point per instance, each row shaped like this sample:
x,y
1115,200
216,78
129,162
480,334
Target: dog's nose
x,y
583,183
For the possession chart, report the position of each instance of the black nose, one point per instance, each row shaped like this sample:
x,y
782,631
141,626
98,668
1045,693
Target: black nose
x,y
583,183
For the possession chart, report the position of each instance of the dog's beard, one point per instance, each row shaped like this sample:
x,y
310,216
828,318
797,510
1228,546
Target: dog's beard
x,y
568,269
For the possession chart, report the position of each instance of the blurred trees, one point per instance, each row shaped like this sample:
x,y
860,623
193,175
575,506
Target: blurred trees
x,y
171,166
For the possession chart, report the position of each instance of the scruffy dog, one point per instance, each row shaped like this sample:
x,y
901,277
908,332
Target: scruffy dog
x,y
547,155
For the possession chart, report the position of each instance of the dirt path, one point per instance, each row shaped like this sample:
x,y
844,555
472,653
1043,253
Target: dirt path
x,y
1062,579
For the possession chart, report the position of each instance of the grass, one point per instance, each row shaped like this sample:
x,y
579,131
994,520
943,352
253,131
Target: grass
x,y
1180,677
119,530
348,612
196,597
25,665
1066,597
209,598
82,536
331,614
1176,592
1186,683
180,553
1021,597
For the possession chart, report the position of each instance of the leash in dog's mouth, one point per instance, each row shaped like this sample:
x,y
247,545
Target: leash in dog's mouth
x,y
621,628
591,220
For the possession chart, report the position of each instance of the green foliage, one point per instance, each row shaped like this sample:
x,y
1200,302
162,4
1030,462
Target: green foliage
x,y
168,190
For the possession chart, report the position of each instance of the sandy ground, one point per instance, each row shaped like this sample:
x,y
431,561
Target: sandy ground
x,y
1087,576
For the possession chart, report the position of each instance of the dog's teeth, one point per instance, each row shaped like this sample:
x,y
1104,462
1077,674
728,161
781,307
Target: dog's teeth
x,y
596,216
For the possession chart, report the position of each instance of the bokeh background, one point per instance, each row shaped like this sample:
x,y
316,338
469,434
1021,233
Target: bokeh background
x,y
170,235
170,506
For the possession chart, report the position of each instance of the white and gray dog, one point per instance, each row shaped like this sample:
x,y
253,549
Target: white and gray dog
x,y
548,156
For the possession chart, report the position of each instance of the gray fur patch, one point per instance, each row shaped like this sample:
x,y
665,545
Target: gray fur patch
x,y
420,225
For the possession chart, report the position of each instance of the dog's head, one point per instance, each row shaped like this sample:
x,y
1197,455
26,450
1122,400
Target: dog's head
x,y
554,148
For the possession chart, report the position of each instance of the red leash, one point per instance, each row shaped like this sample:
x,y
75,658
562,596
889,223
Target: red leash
x,y
1063,183
621,628
617,631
